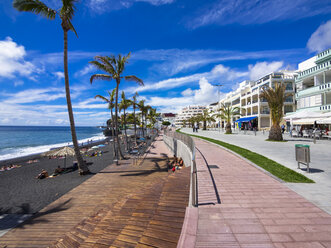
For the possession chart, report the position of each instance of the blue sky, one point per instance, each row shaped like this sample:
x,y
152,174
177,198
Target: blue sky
x,y
180,48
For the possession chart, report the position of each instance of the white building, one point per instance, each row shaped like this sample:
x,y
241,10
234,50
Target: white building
x,y
313,85
255,111
187,113
169,117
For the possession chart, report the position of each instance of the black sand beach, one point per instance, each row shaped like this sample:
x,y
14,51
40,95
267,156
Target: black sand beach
x,y
22,193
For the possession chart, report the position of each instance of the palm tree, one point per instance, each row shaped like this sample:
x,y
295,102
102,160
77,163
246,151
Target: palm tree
x,y
134,105
110,102
66,13
204,117
144,110
226,113
275,97
114,68
125,104
152,117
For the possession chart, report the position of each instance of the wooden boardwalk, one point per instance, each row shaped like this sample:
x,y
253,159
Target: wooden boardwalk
x,y
122,206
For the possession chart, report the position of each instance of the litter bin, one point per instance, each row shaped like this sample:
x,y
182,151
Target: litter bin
x,y
302,155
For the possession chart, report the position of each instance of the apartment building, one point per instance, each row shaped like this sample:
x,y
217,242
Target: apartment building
x,y
254,110
169,117
187,113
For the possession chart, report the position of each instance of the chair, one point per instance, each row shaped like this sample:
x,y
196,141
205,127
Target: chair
x,y
295,133
305,134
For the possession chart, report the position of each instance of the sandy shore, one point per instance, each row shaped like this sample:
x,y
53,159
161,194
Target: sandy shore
x,y
21,192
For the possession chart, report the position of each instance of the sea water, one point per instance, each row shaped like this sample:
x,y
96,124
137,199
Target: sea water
x,y
18,141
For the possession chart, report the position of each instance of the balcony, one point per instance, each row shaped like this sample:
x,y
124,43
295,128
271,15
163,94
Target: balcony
x,y
314,70
318,108
323,55
313,90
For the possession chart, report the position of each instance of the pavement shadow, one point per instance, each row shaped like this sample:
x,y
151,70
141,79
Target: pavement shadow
x,y
9,222
313,170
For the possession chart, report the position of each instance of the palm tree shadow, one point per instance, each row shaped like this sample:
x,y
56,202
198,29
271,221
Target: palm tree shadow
x,y
20,221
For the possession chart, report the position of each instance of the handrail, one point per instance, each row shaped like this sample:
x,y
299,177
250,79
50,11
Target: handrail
x,y
187,140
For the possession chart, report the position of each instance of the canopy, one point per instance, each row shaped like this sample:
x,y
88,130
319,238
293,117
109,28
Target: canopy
x,y
307,114
325,121
246,119
306,121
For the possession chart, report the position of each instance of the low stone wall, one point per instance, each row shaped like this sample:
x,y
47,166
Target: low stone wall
x,y
179,148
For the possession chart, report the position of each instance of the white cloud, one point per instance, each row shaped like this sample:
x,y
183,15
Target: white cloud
x,y
173,61
102,6
321,38
205,94
224,12
18,83
262,68
12,60
86,70
59,74
219,72
34,95
187,92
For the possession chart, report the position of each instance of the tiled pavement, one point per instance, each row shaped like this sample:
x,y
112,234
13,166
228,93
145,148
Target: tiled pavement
x,y
255,211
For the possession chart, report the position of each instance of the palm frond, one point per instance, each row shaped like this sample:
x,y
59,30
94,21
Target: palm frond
x,y
102,98
100,77
107,63
34,6
100,66
72,27
135,79
68,9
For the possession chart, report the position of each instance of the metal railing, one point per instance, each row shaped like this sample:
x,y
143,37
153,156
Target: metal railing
x,y
187,140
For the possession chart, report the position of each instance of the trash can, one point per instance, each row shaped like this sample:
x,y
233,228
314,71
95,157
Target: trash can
x,y
302,155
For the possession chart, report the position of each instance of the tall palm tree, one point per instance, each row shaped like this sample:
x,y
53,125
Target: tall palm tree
x,y
111,105
226,113
113,68
144,110
125,104
275,97
152,116
204,117
66,13
134,105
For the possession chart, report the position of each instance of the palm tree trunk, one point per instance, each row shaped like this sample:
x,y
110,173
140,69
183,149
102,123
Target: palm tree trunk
x,y
142,123
134,122
83,169
126,137
113,133
119,151
275,133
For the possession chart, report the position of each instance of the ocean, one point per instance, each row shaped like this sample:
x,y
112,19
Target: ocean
x,y
18,141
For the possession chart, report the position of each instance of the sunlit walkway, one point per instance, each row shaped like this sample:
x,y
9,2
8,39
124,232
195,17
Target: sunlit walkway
x,y
284,153
255,211
121,206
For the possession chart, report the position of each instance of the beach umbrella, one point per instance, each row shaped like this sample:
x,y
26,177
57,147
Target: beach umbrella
x,y
61,152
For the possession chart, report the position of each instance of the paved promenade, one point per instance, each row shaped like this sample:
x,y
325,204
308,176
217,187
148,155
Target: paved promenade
x,y
284,153
255,211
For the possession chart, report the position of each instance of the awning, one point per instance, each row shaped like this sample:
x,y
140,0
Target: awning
x,y
324,121
306,121
246,119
